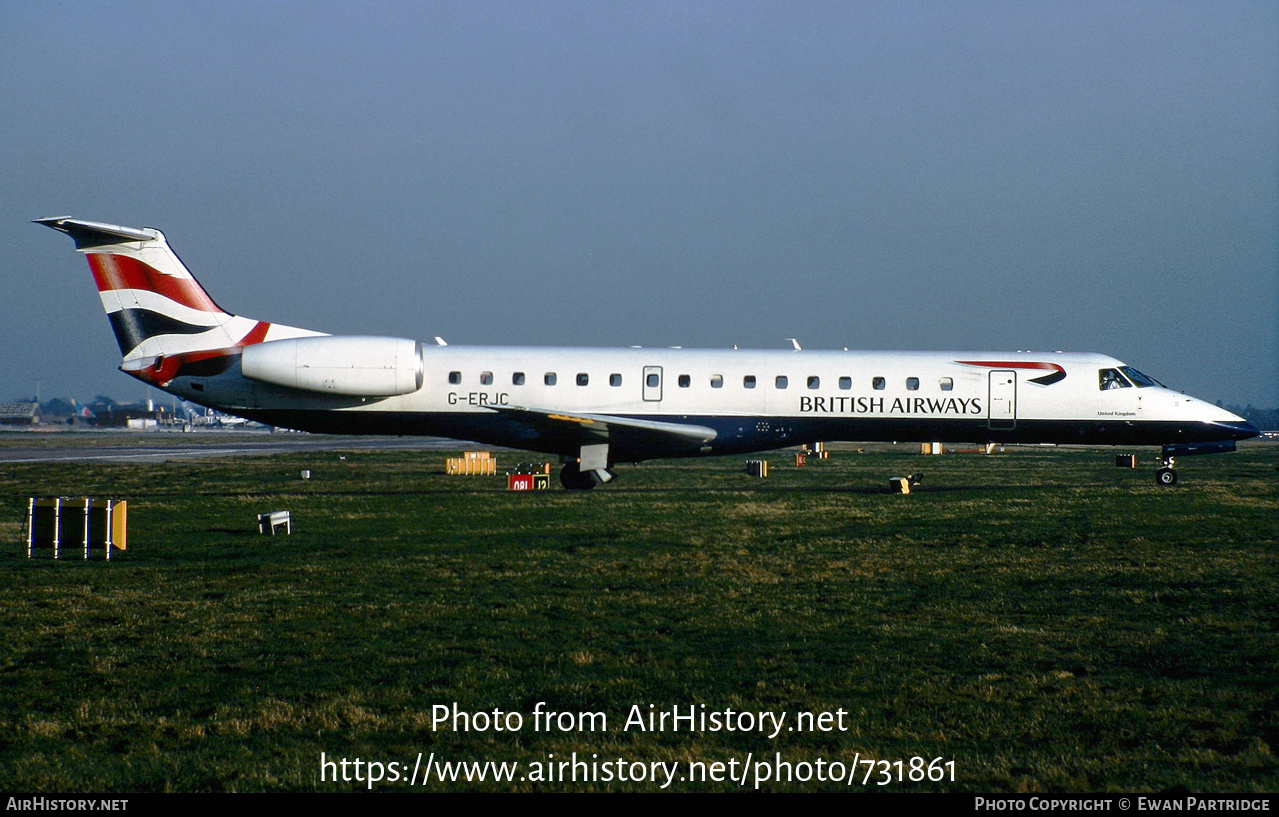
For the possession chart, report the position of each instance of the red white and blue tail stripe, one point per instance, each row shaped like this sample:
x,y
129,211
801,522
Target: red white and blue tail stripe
x,y
162,318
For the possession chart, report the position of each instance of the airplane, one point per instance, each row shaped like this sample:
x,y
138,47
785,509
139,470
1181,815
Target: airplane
x,y
595,408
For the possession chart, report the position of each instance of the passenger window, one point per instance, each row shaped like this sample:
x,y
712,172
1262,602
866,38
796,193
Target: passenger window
x,y
1111,379
748,381
583,378
845,383
717,381
947,384
781,381
878,384
517,379
685,381
814,382
486,378
912,384
455,377
615,380
549,379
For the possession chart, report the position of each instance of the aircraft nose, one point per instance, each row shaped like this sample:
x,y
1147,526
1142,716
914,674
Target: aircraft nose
x,y
1241,430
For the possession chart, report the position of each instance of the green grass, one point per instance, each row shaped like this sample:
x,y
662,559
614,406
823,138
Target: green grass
x,y
1043,619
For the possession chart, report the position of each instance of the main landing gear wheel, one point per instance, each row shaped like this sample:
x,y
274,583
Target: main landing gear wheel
x,y
574,479
1166,476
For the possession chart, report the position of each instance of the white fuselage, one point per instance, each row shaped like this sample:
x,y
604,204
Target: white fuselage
x,y
755,399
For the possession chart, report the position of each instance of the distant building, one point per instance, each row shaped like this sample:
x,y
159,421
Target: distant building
x,y
19,414
124,416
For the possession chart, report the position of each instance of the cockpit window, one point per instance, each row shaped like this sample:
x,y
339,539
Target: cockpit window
x,y
1112,379
1142,381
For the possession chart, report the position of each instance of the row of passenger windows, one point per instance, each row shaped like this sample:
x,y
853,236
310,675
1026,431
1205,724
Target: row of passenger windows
x,y
781,381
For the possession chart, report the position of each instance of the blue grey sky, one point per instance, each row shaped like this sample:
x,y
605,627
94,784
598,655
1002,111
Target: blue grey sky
x,y
878,175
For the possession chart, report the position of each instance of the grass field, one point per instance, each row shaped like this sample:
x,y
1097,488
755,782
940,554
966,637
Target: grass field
x,y
1039,617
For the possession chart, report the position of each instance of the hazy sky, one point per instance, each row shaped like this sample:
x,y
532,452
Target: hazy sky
x,y
969,176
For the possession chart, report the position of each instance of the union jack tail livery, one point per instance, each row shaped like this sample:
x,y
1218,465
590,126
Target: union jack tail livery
x,y
163,319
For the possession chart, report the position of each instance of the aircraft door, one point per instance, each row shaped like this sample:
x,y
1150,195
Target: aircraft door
x,y
652,384
1001,405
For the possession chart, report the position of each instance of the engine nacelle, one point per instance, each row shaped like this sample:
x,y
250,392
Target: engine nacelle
x,y
349,365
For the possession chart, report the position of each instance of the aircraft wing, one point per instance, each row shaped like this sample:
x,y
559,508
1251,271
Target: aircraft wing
x,y
628,433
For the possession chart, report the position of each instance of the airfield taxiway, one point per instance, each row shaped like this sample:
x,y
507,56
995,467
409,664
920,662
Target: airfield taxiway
x,y
162,446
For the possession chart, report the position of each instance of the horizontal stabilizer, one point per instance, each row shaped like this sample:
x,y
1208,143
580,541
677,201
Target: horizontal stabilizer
x,y
88,234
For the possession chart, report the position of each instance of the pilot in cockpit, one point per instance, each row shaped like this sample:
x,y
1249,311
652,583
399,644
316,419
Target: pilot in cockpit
x,y
1111,379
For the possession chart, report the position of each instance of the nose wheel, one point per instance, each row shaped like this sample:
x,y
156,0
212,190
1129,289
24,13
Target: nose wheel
x,y
1166,475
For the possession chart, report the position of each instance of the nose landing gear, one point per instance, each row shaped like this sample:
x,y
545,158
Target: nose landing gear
x,y
1166,475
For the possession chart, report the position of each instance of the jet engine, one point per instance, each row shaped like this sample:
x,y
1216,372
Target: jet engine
x,y
356,366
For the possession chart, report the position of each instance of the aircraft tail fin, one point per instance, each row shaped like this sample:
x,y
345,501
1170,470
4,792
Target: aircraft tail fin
x,y
162,317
